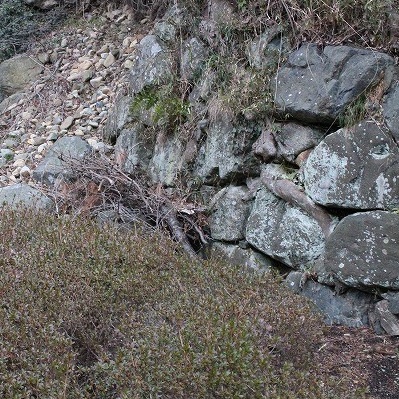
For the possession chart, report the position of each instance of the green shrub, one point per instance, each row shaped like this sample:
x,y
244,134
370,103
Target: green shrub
x,y
90,312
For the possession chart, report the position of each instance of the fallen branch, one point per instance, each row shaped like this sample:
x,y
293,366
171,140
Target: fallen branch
x,y
101,186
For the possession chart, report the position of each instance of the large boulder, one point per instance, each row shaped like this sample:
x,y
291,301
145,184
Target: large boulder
x,y
57,163
284,232
16,73
316,85
354,168
351,308
23,195
229,213
153,64
363,250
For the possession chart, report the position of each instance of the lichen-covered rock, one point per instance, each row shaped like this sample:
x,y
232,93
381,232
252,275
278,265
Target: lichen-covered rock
x,y
284,232
16,73
349,309
363,250
229,212
134,147
56,163
167,161
153,64
356,168
316,85
226,154
24,195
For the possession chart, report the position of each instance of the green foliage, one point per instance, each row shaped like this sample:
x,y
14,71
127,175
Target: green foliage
x,y
167,109
90,312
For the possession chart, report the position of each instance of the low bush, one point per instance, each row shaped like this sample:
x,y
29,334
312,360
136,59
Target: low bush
x,y
88,311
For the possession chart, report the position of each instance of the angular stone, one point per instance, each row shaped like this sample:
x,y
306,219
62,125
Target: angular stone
x,y
316,85
193,58
67,123
284,232
356,168
292,139
24,195
117,118
363,250
390,109
393,301
55,165
109,60
167,161
348,309
228,213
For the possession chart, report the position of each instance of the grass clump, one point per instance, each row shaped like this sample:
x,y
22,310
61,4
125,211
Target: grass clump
x,y
160,105
90,312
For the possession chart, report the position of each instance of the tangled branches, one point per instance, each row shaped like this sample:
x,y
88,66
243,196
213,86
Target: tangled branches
x,y
101,189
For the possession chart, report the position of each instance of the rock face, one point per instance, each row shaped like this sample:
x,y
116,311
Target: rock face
x,y
355,168
363,250
16,73
316,85
24,195
284,232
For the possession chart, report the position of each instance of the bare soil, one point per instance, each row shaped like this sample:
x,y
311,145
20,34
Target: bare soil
x,y
364,358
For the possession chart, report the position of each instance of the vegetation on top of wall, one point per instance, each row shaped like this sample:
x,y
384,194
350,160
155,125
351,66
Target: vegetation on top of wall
x,y
91,312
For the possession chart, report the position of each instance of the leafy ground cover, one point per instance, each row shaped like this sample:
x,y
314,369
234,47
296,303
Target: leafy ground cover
x,y
92,312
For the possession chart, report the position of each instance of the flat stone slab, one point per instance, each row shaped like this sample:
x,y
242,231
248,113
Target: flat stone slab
x,y
363,250
355,168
